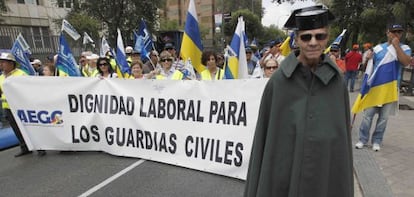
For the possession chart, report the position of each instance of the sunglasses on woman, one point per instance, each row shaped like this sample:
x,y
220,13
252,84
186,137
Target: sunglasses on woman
x,y
165,60
271,67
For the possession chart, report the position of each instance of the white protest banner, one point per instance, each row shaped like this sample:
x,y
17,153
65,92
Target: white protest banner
x,y
203,125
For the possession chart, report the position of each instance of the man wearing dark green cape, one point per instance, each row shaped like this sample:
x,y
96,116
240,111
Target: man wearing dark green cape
x,y
302,144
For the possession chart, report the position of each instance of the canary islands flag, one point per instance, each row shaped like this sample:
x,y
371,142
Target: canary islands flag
x,y
191,46
380,83
121,57
236,67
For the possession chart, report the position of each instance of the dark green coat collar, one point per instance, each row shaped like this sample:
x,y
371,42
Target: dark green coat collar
x,y
325,71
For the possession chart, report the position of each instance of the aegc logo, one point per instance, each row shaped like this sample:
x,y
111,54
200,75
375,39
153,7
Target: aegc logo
x,y
40,117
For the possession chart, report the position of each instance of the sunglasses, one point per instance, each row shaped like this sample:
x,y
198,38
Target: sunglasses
x,y
166,60
271,67
396,31
308,37
103,64
334,51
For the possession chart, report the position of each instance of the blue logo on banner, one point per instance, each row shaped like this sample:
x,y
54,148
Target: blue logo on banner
x,y
42,117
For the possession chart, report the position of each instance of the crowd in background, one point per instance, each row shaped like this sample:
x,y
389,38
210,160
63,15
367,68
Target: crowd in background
x,y
167,64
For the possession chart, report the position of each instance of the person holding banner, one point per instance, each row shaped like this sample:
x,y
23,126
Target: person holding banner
x,y
167,71
92,69
213,72
105,68
8,65
136,71
270,67
302,144
379,92
83,63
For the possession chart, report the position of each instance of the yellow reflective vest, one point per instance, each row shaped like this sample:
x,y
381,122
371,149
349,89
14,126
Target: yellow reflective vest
x,y
177,75
15,72
206,75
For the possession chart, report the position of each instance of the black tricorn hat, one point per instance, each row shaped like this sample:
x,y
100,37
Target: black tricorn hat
x,y
307,18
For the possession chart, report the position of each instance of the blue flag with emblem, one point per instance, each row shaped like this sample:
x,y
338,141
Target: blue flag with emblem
x,y
66,63
143,41
21,58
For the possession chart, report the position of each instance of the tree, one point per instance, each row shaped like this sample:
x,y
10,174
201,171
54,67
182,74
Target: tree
x,y
253,24
122,14
169,25
366,20
271,33
3,7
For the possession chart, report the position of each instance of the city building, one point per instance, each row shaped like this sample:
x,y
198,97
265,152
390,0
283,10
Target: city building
x,y
34,19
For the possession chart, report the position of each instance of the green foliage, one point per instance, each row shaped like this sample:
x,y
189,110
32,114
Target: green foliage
x,y
366,20
122,14
169,25
3,7
253,27
82,23
253,24
270,33
233,5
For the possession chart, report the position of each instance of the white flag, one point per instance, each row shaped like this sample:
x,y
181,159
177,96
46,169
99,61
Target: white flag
x,y
68,28
104,47
87,39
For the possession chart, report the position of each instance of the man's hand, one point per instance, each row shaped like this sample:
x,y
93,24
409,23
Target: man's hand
x,y
395,41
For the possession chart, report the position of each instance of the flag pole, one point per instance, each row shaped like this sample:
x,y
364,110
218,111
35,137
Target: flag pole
x,y
353,121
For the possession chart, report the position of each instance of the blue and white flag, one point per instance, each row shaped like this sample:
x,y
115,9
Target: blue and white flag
x,y
66,63
143,41
120,55
380,82
68,28
22,58
338,39
236,66
23,43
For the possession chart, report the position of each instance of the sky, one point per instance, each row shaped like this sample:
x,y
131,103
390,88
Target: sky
x,y
278,14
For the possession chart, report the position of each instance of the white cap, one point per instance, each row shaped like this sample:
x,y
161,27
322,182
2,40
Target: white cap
x,y
128,49
92,57
7,56
86,53
36,61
